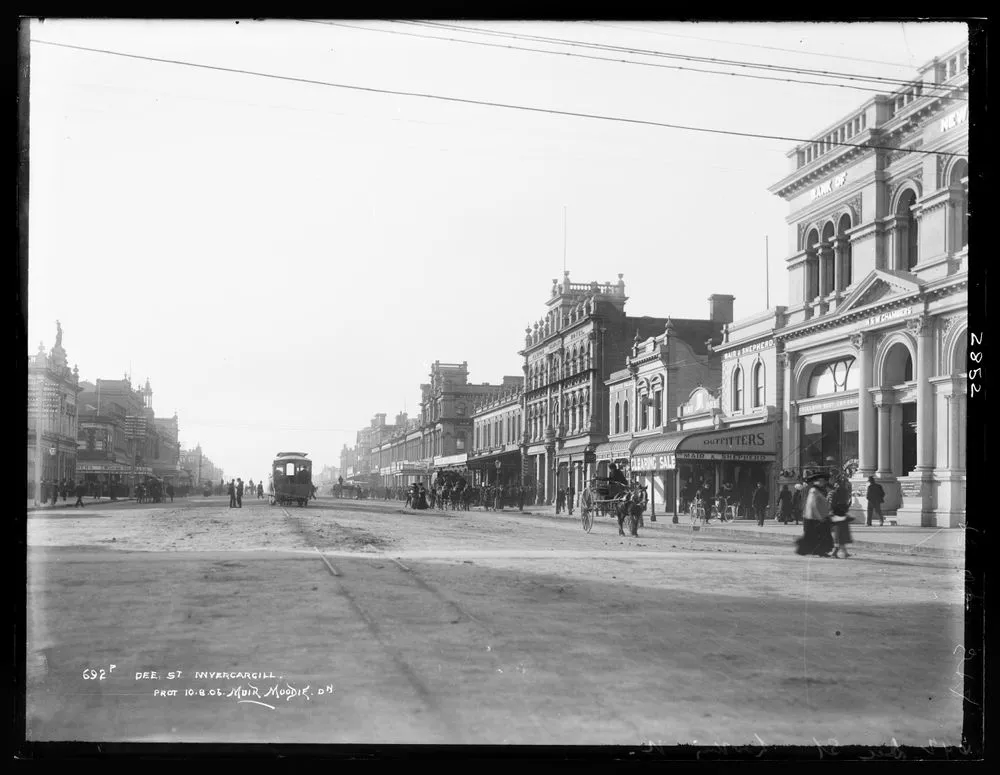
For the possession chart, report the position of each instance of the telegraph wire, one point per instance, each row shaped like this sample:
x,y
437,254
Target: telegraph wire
x,y
753,45
485,103
899,82
682,68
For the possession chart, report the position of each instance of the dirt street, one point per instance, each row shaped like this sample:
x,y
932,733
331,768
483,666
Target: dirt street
x,y
360,622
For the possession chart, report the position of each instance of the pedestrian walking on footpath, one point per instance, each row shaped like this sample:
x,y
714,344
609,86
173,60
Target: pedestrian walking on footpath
x,y
839,519
520,499
785,504
760,503
55,492
260,491
570,492
798,501
232,494
239,493
170,491
560,499
875,495
81,490
816,538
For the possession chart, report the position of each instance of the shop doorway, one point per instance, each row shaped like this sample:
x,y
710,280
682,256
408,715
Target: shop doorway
x,y
909,440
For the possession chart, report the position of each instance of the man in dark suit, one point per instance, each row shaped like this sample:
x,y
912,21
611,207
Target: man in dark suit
x,y
760,503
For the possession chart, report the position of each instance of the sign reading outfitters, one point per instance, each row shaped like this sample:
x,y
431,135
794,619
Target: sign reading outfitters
x,y
752,444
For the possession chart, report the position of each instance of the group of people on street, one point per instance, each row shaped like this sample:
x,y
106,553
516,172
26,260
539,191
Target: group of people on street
x,y
150,490
825,520
236,488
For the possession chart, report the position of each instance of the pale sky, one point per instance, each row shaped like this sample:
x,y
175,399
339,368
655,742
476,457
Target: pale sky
x,y
285,260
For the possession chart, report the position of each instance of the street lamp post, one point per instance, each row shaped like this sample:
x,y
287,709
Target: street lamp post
x,y
498,472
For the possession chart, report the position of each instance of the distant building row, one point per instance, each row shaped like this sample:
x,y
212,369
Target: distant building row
x,y
102,433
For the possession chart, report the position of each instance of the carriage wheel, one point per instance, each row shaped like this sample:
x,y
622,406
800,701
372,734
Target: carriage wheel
x,y
587,514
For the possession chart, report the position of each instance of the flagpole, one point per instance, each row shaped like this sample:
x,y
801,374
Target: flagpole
x,y
564,241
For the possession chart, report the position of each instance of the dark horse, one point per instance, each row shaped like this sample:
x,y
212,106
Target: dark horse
x,y
629,507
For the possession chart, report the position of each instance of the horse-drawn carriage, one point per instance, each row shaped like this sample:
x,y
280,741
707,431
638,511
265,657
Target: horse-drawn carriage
x,y
605,497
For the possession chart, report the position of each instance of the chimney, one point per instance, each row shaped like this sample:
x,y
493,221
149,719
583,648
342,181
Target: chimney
x,y
720,308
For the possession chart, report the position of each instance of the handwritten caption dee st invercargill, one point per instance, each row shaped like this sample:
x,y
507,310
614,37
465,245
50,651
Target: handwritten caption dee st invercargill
x,y
259,687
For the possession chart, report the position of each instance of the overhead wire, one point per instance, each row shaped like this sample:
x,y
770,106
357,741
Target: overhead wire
x,y
682,68
482,103
648,31
898,82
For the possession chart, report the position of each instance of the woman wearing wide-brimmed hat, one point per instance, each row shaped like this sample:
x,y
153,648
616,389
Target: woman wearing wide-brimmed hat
x,y
816,538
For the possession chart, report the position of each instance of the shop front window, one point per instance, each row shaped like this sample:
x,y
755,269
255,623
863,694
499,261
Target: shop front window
x,y
828,439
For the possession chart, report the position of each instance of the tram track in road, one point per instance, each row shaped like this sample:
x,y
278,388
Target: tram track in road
x,y
479,636
448,726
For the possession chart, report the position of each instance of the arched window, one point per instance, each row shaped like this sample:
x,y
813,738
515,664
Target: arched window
x,y
644,411
812,266
960,208
758,384
833,377
738,390
618,417
907,228
827,268
625,417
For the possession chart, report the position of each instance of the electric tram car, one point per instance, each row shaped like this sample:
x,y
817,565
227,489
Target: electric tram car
x,y
291,473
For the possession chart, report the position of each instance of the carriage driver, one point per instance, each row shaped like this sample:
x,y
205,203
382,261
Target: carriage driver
x,y
617,483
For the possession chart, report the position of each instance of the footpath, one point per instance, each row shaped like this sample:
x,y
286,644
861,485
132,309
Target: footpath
x,y
895,539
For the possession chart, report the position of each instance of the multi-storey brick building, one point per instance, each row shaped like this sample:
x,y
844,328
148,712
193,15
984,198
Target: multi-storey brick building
x,y
495,457
53,390
874,336
117,437
643,398
569,356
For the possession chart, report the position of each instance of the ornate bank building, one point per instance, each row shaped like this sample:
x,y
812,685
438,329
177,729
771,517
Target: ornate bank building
x,y
873,341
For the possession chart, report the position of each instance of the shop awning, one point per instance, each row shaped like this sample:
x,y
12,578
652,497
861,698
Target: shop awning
x,y
488,457
110,467
576,451
451,462
614,450
657,453
658,445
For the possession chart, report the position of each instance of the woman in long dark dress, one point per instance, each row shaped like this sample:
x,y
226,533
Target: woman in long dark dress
x,y
421,498
816,537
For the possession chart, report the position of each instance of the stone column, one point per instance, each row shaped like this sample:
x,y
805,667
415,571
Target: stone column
x,y
955,424
789,444
838,263
864,345
896,445
811,265
884,439
825,256
546,465
922,327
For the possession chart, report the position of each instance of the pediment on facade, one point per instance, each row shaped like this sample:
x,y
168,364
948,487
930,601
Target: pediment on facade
x,y
880,285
